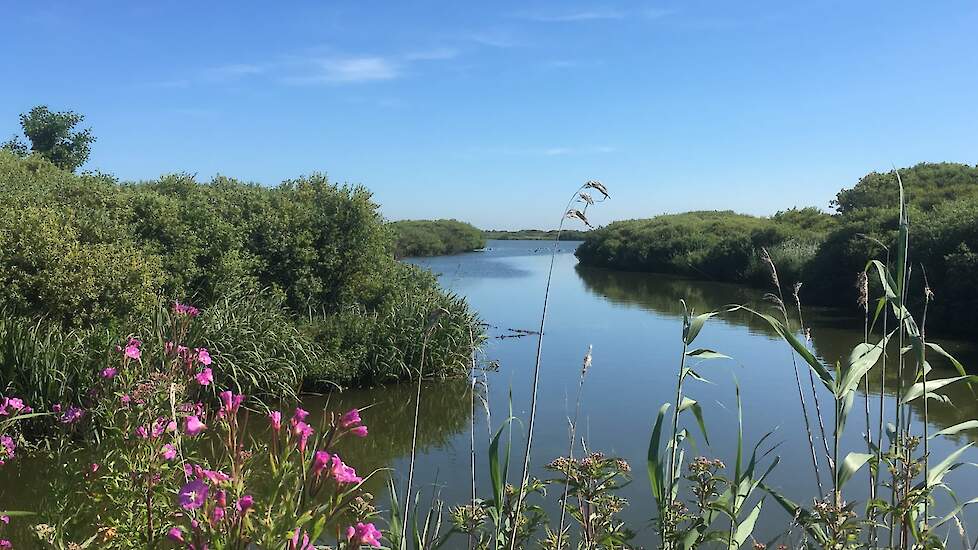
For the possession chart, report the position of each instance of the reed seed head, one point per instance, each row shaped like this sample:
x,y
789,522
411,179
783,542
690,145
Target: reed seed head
x,y
587,361
597,186
766,259
862,284
575,213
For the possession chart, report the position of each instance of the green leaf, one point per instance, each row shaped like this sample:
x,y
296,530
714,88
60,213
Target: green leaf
x,y
654,461
746,527
803,516
703,353
688,403
954,362
917,389
966,425
787,336
863,358
695,326
850,465
937,473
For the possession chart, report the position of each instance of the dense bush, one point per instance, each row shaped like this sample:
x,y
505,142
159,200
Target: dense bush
x,y
282,273
435,237
721,246
823,251
536,235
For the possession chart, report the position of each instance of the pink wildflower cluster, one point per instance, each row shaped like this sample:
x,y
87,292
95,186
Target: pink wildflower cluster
x,y
185,309
67,416
156,429
340,472
13,406
130,350
207,492
363,533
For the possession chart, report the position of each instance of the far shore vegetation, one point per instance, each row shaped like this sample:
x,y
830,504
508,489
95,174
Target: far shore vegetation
x,y
821,250
435,237
535,235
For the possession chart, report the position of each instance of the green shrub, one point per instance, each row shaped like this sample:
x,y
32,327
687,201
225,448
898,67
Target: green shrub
x,y
435,237
88,254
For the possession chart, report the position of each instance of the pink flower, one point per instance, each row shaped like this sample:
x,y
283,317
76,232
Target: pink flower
x,y
5,519
303,431
320,462
299,415
72,415
363,533
185,309
296,544
350,419
94,467
169,452
132,349
217,515
142,432
109,372
194,426
222,498
275,418
343,473
245,503
213,476
203,356
230,402
205,377
15,404
359,431
193,495
175,534
4,543
125,399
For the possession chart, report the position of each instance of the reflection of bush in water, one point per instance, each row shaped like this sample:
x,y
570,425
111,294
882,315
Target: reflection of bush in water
x,y
833,337
661,294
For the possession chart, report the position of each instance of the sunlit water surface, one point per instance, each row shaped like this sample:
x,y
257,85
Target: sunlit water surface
x,y
634,322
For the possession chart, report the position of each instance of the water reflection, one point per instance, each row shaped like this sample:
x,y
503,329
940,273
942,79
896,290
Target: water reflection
x,y
833,332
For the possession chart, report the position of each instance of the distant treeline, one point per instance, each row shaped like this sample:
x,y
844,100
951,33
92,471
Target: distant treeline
x,y
823,251
435,237
535,235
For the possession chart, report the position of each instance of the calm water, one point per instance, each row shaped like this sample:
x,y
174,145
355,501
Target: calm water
x,y
633,322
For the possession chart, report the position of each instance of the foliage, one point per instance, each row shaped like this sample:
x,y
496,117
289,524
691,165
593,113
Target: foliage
x,y
435,237
711,245
52,136
926,185
150,476
535,235
823,251
288,275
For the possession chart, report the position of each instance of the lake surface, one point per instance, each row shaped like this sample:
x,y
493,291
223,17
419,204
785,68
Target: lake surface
x,y
634,323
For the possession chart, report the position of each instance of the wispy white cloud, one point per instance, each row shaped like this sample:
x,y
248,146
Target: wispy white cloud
x,y
319,66
495,38
572,16
345,70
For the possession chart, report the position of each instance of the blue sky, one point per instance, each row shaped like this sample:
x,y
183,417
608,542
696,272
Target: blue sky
x,y
493,112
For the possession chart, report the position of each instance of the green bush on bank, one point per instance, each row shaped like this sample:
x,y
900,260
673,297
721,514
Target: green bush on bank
x,y
535,235
281,274
823,251
435,237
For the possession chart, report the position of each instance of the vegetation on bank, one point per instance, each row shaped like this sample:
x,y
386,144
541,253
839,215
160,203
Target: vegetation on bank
x,y
417,238
818,249
535,235
298,282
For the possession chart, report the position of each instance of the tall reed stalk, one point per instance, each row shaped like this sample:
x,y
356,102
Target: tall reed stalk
x,y
572,444
579,195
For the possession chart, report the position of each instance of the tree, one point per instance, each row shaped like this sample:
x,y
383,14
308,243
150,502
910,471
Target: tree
x,y
52,136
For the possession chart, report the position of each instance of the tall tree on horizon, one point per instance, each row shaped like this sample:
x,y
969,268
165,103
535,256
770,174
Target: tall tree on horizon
x,y
52,136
